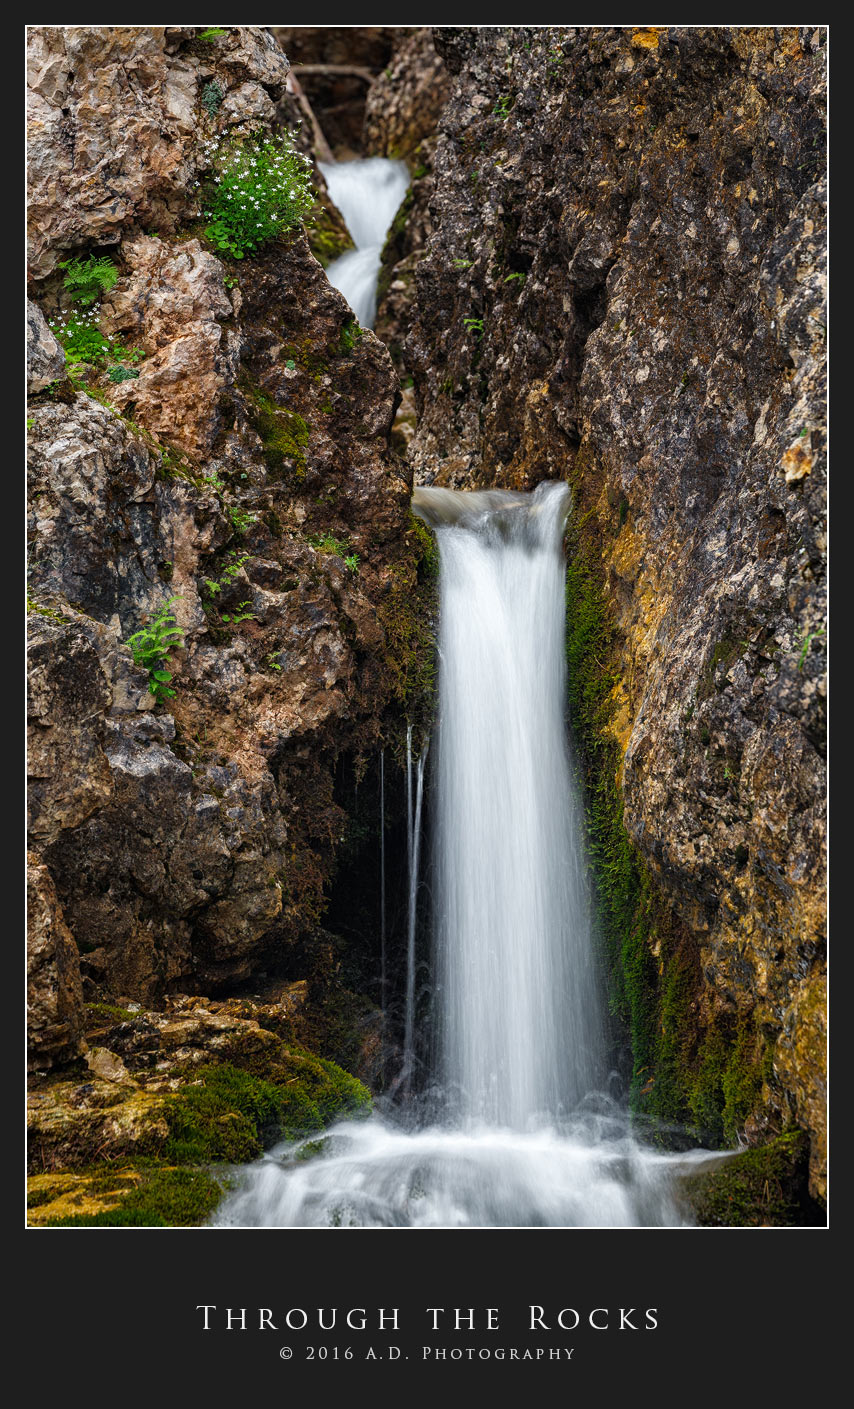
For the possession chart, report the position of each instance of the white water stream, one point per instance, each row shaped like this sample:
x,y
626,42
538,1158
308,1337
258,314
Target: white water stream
x,y
368,194
519,1132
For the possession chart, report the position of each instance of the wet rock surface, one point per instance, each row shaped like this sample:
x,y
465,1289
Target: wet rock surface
x,y
624,287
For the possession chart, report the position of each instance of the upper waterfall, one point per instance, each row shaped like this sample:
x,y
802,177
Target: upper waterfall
x,y
368,194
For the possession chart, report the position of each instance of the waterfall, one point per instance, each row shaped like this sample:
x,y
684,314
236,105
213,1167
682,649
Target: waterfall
x,y
368,194
413,837
382,888
520,1025
521,1133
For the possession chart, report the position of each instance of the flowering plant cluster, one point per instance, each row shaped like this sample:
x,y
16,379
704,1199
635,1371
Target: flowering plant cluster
x,y
83,341
260,188
81,337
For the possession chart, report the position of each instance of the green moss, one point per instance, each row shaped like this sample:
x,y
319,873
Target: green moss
x,y
325,237
284,434
622,885
407,614
108,1012
350,334
164,1198
231,1112
766,1187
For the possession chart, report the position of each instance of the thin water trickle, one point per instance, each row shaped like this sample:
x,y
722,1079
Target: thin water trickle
x,y
368,194
516,1130
413,819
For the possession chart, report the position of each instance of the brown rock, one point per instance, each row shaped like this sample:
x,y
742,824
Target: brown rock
x,y
54,991
171,305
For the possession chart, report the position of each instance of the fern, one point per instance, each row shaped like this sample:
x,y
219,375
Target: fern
x,y
152,644
87,279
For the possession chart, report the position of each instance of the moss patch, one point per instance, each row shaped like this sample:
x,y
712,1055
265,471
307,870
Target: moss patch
x,y
159,1198
327,240
284,434
407,614
231,1112
766,1187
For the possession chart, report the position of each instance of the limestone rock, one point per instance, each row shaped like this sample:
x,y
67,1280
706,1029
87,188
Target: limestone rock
x,y
106,1065
115,122
405,101
171,304
45,357
191,838
54,992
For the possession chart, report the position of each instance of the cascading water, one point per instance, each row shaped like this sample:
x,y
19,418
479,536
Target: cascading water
x,y
520,1015
368,194
519,1132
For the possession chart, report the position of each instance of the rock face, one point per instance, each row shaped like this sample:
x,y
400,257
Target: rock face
x,y
112,120
624,288
404,102
54,992
45,357
244,482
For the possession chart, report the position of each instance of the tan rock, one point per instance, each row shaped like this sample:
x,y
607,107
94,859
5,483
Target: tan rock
x,y
105,1064
170,305
114,124
54,991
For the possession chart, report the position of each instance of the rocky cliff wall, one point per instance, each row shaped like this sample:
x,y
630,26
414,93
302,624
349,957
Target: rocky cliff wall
x,y
624,288
239,469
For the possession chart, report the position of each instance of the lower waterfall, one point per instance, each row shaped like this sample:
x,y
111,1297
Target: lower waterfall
x,y
518,1130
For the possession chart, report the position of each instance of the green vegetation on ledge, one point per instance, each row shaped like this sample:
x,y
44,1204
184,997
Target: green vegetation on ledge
x,y
163,1198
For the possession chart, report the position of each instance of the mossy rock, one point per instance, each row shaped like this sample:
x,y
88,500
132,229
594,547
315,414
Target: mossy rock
x,y
231,1112
328,238
762,1188
284,434
142,1196
688,1074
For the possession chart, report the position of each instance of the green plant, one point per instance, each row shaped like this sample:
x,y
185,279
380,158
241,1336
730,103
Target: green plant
x,y
805,646
463,263
272,662
151,646
122,374
209,35
475,325
261,188
514,276
82,339
503,106
212,96
235,562
87,279
350,333
241,520
240,615
328,543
